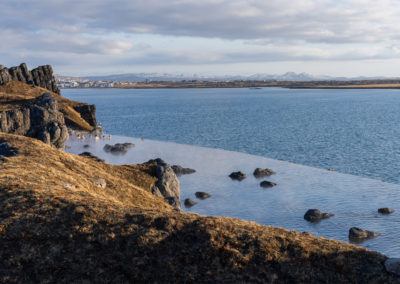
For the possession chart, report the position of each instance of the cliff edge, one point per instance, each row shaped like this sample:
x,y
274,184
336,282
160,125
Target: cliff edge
x,y
67,218
19,113
41,76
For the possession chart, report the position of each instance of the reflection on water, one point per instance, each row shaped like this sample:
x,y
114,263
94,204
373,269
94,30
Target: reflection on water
x,y
353,200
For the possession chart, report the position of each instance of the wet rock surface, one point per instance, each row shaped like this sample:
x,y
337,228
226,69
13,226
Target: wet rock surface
x,y
359,235
267,184
41,76
259,172
315,215
385,210
179,170
167,185
202,195
119,148
237,176
189,202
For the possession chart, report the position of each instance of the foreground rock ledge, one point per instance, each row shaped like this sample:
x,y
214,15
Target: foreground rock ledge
x,y
50,232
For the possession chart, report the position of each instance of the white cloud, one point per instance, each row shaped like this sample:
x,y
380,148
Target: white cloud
x,y
185,32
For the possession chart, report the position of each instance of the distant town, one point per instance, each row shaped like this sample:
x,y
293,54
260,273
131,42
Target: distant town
x,y
75,82
249,82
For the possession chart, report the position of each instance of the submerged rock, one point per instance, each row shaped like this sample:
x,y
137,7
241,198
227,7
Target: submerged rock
x,y
359,235
91,156
314,215
189,202
237,176
179,170
259,172
118,148
202,195
267,184
385,210
167,185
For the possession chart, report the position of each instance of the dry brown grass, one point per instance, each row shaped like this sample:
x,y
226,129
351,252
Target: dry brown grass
x,y
56,225
15,94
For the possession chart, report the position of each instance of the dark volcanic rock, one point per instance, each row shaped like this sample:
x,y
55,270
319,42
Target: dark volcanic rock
x,y
41,76
202,195
88,113
41,120
7,151
167,185
189,202
267,183
259,172
359,235
178,170
393,265
237,176
119,148
90,155
314,215
47,123
385,210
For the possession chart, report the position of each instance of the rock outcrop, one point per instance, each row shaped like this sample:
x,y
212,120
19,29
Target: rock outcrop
x,y
167,184
267,184
189,202
385,210
88,113
119,148
202,195
314,215
41,76
179,170
41,120
359,235
259,172
237,176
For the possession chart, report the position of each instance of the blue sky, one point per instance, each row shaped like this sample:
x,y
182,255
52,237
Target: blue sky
x,y
208,37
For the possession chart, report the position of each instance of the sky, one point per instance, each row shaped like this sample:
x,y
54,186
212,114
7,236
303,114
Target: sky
x,y
205,37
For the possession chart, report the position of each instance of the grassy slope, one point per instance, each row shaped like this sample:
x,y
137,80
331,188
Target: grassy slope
x,y
14,94
57,225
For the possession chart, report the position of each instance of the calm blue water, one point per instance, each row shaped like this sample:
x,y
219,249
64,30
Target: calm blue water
x,y
352,131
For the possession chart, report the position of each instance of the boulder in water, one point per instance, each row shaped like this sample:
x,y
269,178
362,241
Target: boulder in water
x,y
237,176
314,215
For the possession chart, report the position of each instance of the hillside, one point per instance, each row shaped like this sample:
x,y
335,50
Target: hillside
x,y
15,94
57,224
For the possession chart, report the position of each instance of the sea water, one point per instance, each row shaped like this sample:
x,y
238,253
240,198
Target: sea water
x,y
354,200
352,131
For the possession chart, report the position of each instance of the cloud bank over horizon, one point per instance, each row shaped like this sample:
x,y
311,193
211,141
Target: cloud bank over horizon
x,y
349,38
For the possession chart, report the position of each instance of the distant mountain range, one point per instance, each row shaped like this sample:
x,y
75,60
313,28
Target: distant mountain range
x,y
143,77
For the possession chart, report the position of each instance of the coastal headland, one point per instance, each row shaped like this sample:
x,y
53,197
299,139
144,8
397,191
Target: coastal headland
x,y
71,218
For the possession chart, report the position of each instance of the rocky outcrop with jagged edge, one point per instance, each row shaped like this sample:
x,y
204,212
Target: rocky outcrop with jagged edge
x,y
167,185
41,120
41,76
88,113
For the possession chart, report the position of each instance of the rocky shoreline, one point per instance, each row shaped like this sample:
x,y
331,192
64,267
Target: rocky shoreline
x,y
70,218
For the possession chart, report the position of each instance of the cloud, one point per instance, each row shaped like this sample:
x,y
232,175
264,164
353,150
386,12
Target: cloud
x,y
312,21
155,32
